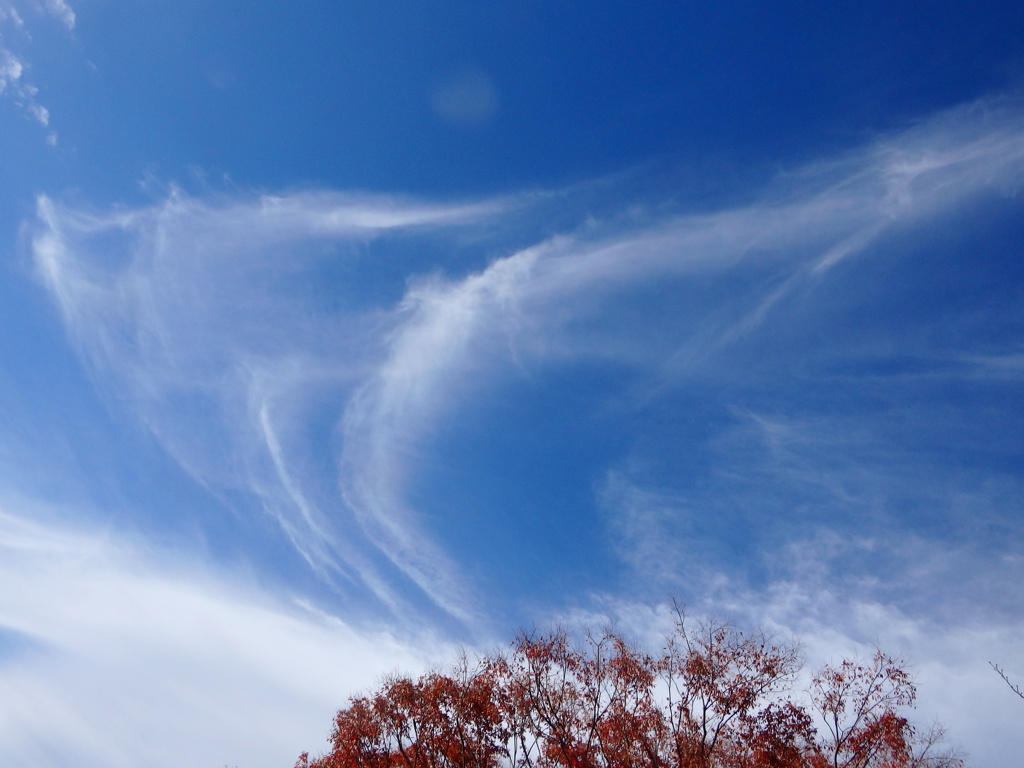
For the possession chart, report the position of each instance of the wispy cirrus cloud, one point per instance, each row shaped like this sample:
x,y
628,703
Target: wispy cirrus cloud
x,y
239,328
814,400
211,321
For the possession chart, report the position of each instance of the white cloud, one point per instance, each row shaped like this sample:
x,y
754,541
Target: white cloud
x,y
7,11
198,313
209,320
948,662
190,304
389,414
13,84
61,11
10,70
114,653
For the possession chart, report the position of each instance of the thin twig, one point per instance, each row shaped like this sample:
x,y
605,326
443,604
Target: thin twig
x,y
1015,688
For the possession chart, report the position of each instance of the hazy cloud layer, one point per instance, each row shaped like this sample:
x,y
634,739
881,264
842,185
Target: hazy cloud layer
x,y
956,686
113,652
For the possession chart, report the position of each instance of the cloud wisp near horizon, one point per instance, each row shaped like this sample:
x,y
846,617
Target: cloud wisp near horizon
x,y
114,651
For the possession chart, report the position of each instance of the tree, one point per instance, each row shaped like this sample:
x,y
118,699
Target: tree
x,y
714,698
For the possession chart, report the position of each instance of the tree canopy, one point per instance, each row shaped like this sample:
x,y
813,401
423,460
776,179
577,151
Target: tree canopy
x,y
715,697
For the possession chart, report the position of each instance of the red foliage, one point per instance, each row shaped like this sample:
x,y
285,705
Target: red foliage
x,y
716,698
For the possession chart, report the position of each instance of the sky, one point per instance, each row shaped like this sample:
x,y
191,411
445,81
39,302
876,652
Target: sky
x,y
338,337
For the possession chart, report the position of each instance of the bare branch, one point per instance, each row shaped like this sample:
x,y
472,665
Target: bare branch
x,y
1015,688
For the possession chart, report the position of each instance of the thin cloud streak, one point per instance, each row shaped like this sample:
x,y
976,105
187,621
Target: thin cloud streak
x,y
387,416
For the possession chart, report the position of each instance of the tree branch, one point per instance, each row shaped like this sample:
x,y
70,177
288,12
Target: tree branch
x,y
1015,688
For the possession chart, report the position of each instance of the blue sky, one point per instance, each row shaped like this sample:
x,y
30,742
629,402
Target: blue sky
x,y
337,336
